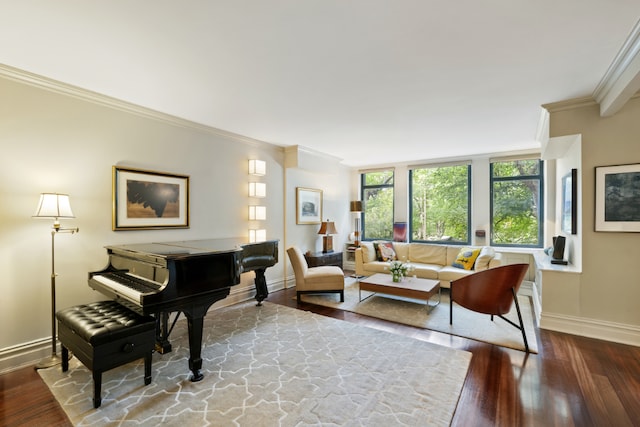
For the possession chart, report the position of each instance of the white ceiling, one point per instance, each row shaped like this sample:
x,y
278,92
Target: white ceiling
x,y
368,81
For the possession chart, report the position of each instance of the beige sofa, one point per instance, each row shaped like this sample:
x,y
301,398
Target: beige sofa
x,y
429,261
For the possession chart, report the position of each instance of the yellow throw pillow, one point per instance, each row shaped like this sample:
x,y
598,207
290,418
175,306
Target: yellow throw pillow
x,y
466,258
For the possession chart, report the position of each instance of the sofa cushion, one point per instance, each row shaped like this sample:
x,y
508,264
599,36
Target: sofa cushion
x,y
428,254
402,251
486,255
466,258
368,252
450,273
426,271
376,267
386,252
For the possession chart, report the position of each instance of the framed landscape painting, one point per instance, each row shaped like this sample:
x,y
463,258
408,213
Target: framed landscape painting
x,y
147,199
618,198
308,206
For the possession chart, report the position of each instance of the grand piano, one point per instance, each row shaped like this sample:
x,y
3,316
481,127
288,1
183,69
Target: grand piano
x,y
187,276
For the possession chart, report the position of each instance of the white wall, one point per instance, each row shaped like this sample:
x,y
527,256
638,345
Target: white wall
x,y
60,143
607,292
53,142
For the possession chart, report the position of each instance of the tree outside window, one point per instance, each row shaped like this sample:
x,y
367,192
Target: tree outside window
x,y
440,203
516,203
377,196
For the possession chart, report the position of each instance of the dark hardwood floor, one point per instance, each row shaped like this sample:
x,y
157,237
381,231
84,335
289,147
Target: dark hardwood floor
x,y
573,381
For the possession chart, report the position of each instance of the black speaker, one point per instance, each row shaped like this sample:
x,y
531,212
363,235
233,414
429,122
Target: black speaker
x,y
558,250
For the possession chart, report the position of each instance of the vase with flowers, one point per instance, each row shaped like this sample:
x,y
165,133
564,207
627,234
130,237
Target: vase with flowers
x,y
398,270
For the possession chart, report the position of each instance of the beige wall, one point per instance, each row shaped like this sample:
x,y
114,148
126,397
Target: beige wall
x,y
53,142
608,290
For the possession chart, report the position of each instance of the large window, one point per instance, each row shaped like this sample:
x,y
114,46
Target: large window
x,y
440,203
516,203
377,195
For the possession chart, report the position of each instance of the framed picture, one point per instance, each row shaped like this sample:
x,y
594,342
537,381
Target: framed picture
x,y
618,198
570,202
147,199
308,206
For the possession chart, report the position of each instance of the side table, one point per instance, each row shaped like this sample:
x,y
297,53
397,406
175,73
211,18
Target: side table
x,y
317,259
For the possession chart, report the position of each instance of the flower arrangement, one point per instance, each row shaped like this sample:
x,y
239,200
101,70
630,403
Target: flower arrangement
x,y
399,270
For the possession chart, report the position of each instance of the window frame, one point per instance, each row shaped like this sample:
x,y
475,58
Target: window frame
x,y
469,205
539,177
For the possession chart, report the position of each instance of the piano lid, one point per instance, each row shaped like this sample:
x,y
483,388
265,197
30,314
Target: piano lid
x,y
183,248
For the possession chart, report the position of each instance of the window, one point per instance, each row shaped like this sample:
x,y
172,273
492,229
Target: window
x,y
377,194
516,203
440,203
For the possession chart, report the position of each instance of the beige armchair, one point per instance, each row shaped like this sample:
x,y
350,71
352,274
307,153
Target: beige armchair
x,y
315,280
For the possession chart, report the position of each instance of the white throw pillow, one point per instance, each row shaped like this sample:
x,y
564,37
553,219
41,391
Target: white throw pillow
x,y
486,255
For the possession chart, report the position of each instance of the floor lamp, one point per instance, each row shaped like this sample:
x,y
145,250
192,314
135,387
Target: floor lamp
x,y
356,207
56,206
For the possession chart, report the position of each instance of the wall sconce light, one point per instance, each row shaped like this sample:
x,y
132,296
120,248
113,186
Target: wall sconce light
x,y
257,213
56,206
327,229
259,235
257,189
257,167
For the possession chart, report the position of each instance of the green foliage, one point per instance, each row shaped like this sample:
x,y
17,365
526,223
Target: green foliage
x,y
378,205
516,209
440,203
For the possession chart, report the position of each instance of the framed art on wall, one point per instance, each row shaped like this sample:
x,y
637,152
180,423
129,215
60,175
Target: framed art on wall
x,y
618,198
569,219
145,199
308,206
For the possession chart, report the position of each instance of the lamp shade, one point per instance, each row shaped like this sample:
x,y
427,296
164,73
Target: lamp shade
x,y
328,227
356,206
54,205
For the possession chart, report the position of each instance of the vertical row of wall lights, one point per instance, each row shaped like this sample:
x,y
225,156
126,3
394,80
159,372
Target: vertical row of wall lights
x,y
257,190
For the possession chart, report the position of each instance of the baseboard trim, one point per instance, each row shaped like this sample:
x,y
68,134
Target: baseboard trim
x,y
602,330
27,354
23,355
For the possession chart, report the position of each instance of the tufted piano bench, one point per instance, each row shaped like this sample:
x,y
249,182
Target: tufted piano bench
x,y
104,335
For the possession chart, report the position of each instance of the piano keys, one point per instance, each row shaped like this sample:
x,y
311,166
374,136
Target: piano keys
x,y
186,276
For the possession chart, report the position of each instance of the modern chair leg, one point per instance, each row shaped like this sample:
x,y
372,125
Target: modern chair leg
x,y
524,336
341,296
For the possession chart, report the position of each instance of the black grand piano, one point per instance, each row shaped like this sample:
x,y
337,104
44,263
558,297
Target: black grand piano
x,y
187,276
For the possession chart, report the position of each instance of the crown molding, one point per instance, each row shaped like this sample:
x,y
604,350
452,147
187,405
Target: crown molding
x,y
52,85
622,79
570,104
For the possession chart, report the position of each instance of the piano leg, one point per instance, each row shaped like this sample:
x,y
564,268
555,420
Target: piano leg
x,y
195,321
195,346
262,292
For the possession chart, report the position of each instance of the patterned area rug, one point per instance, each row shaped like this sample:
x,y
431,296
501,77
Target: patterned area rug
x,y
275,366
466,323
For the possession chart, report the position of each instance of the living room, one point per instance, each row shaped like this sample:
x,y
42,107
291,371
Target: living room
x,y
59,137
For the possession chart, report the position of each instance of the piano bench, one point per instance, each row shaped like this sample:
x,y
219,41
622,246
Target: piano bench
x,y
104,335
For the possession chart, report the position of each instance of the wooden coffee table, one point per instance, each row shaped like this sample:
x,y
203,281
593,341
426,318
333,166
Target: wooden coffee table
x,y
411,287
